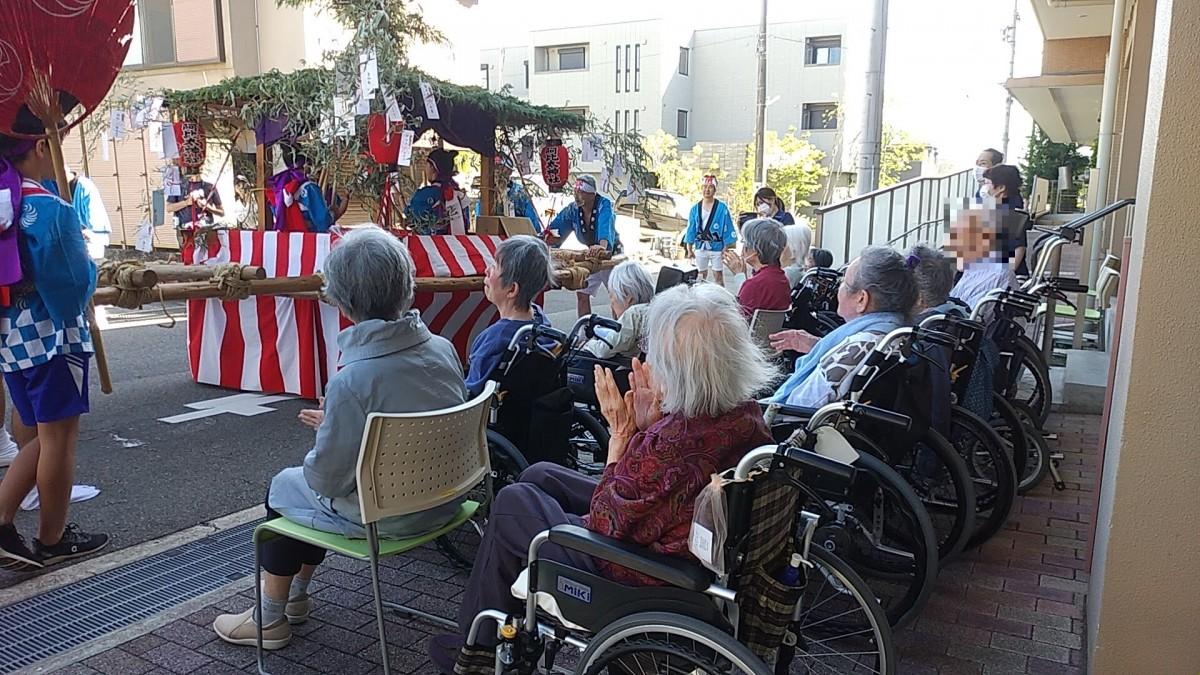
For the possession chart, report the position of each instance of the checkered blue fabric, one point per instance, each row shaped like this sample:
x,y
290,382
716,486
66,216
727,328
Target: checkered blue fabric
x,y
29,337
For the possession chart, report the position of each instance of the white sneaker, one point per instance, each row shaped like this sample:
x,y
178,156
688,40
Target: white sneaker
x,y
8,449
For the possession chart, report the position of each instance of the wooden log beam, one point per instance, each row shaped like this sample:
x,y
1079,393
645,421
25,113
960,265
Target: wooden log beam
x,y
140,278
168,273
300,287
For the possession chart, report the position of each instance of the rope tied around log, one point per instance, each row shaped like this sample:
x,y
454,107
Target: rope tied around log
x,y
120,275
228,278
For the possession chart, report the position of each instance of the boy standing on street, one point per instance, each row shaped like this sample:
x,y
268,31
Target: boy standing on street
x,y
45,347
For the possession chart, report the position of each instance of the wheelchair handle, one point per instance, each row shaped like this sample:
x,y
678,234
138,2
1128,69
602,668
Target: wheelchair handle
x,y
868,412
936,337
604,322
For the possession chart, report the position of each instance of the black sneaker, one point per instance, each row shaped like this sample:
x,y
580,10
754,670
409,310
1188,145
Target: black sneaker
x,y
14,553
75,543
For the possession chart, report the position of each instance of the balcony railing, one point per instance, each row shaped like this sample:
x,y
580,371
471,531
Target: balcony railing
x,y
900,215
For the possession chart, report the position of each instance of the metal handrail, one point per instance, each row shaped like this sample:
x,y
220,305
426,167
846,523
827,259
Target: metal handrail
x,y
877,214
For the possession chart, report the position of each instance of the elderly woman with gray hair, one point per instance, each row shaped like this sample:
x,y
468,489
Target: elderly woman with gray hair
x,y
876,296
933,274
766,286
391,363
689,413
630,291
520,272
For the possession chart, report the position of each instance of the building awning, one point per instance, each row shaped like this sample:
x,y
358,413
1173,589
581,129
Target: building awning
x,y
1066,107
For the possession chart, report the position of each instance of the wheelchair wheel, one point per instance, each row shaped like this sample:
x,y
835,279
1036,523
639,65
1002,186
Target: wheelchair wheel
x,y
941,481
507,461
991,469
1007,423
885,534
1038,463
589,442
666,643
840,627
1031,383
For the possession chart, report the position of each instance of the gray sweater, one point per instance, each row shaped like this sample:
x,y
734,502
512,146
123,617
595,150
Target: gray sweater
x,y
389,367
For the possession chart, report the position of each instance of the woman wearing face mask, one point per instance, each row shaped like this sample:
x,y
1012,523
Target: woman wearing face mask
x,y
766,285
1003,190
767,204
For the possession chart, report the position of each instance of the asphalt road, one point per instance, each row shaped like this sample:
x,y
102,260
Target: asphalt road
x,y
157,478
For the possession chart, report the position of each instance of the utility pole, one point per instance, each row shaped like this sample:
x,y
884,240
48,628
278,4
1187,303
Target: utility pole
x,y
1010,36
869,155
760,121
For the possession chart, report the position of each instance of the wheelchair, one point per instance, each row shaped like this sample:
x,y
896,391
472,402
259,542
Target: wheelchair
x,y
546,409
744,620
907,476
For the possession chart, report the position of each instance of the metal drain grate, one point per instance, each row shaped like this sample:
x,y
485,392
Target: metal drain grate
x,y
51,623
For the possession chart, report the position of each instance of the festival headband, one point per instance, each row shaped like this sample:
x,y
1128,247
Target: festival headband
x,y
584,185
709,180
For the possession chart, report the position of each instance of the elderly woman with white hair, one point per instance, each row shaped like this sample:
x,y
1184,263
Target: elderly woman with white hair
x,y
876,296
630,291
795,256
391,363
766,286
689,414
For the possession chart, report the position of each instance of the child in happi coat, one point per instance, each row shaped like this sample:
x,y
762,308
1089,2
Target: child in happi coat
x,y
45,347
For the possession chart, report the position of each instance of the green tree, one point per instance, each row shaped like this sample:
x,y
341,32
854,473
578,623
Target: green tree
x,y
900,150
676,172
794,171
1043,157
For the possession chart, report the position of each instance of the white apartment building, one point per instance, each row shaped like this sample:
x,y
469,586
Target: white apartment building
x,y
700,85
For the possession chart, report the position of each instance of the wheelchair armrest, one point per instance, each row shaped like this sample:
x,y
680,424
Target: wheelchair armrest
x,y
670,569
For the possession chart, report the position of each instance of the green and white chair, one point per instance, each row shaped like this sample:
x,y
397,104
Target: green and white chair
x,y
408,462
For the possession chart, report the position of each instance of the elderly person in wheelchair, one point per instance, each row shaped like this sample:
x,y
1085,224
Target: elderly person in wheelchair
x,y
630,291
390,363
689,414
978,240
876,296
521,271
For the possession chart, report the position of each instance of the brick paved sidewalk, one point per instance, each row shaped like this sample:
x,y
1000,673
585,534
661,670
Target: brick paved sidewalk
x,y
1014,606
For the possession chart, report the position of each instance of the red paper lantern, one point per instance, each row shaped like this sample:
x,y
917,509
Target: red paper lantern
x,y
556,163
193,146
383,138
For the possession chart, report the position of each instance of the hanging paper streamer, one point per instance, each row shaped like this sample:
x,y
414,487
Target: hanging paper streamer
x,y
172,181
104,141
406,147
343,117
368,73
170,144
591,149
394,113
154,139
117,125
431,108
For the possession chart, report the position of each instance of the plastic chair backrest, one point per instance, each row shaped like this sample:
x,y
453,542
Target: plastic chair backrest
x,y
764,322
411,462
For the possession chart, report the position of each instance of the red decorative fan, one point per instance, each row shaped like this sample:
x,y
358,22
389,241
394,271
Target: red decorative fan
x,y
56,56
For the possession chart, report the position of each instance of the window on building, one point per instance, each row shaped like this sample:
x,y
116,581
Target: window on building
x,y
526,74
564,57
681,123
636,122
617,122
167,32
637,67
627,68
618,61
487,79
684,54
628,127
819,116
572,58
823,51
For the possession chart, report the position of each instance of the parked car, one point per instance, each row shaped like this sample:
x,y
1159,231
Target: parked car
x,y
660,210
